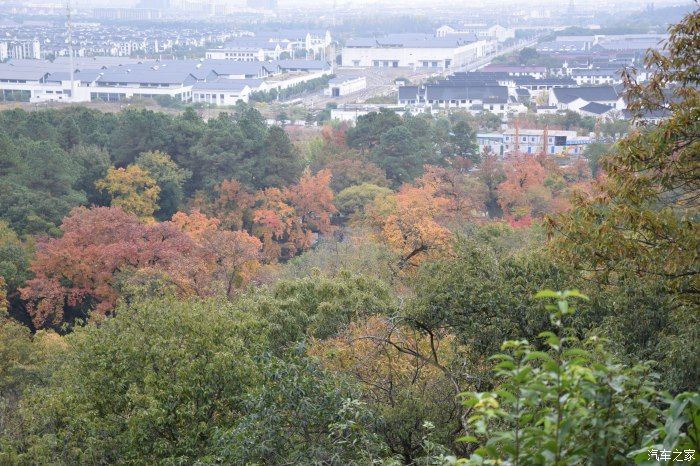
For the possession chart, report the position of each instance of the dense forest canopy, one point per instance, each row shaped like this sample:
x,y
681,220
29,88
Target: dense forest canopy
x,y
181,291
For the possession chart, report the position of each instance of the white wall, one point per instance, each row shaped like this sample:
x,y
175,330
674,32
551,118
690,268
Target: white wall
x,y
596,80
347,87
292,80
220,97
235,55
60,92
351,114
46,92
532,143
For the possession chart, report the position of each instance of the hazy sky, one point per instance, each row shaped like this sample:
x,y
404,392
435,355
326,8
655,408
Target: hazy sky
x,y
317,3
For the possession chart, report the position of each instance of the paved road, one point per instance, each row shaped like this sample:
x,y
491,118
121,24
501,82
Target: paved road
x,y
488,59
380,81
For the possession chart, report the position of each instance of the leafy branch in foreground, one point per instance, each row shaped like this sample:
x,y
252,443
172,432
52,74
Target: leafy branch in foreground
x,y
571,404
642,217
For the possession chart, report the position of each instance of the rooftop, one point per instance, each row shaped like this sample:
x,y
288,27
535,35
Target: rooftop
x,y
491,94
301,64
514,69
408,92
590,94
225,85
596,108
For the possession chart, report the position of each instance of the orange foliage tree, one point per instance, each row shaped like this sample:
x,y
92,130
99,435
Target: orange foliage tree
x,y
522,187
286,221
276,223
388,357
230,204
196,224
236,256
312,199
537,186
412,222
466,194
335,136
271,221
103,246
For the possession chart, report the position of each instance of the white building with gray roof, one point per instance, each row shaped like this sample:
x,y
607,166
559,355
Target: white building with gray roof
x,y
415,51
214,82
475,99
576,98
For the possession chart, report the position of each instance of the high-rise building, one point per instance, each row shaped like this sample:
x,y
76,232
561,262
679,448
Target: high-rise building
x,y
20,50
36,49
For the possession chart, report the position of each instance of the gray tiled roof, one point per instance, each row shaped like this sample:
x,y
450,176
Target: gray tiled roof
x,y
361,42
98,62
167,72
492,94
35,65
550,81
146,75
346,79
658,113
301,64
514,69
408,92
589,94
595,107
85,76
21,75
222,85
233,67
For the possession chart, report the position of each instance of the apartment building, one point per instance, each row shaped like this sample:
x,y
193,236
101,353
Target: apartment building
x,y
531,141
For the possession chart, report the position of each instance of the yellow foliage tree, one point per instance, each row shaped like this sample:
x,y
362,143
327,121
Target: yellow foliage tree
x,y
3,297
387,356
409,376
132,189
